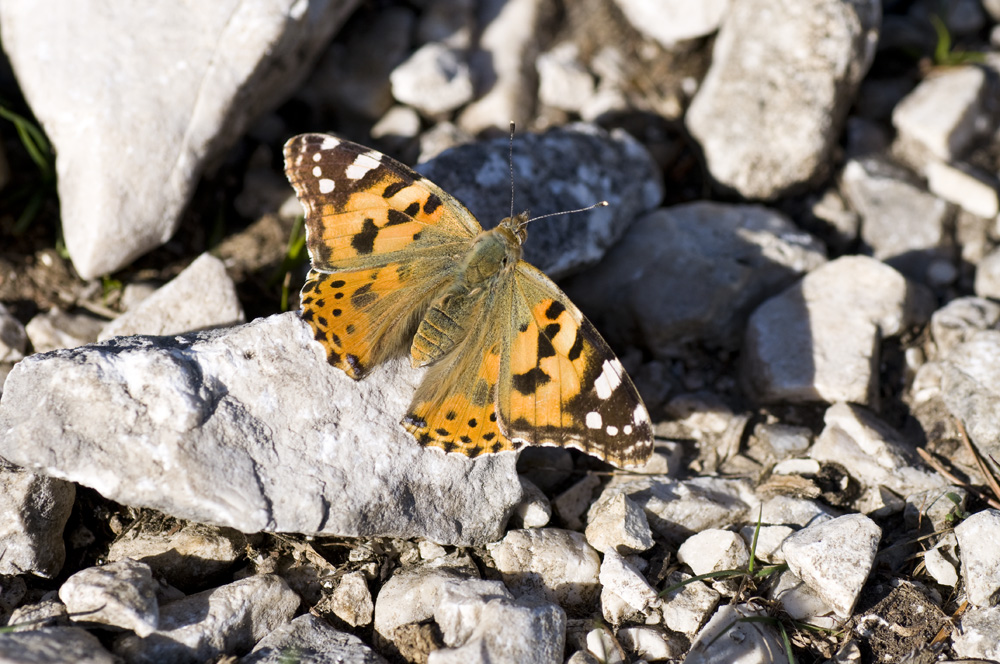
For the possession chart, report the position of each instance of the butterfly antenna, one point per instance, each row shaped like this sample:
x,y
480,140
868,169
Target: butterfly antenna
x,y
510,163
555,214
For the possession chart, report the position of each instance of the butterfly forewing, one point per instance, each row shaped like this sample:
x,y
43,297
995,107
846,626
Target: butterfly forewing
x,y
365,209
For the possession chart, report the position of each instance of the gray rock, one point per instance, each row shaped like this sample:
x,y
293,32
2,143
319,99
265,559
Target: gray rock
x,y
13,339
484,628
507,41
975,192
819,340
12,591
977,544
435,80
729,258
781,82
728,638
625,593
185,557
977,634
562,169
412,595
34,510
534,510
56,329
121,594
956,322
47,612
53,645
900,223
971,389
352,601
987,282
310,640
677,509
651,644
873,453
618,524
549,565
563,80
784,440
126,170
248,427
834,558
685,609
227,620
201,297
942,115
674,20
574,502
715,550
802,602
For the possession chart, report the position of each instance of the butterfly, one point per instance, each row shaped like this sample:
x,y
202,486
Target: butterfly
x,y
399,265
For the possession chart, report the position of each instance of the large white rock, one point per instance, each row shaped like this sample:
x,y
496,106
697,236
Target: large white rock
x,y
249,427
672,21
819,340
34,510
782,78
137,98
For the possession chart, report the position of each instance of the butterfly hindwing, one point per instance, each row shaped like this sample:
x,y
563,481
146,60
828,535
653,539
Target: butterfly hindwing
x,y
560,384
454,407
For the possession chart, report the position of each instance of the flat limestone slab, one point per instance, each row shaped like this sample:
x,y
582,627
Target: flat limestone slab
x,y
248,427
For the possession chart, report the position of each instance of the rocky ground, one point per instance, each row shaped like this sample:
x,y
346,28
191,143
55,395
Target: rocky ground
x,y
799,266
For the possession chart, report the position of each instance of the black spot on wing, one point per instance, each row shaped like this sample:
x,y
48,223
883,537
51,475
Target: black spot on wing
x,y
363,241
363,297
576,348
412,209
433,203
555,310
545,348
395,217
529,381
393,189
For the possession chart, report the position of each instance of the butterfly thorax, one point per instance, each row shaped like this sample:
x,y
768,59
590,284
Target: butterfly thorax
x,y
494,254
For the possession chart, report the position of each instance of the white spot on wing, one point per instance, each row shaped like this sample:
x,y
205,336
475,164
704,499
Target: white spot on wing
x,y
640,415
362,164
317,156
325,186
610,378
594,420
627,429
612,431
317,171
329,143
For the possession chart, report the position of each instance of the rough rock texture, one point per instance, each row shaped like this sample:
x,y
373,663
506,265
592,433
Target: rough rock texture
x,y
200,627
121,594
309,640
134,120
33,512
730,258
782,78
53,645
248,427
202,296
559,170
818,341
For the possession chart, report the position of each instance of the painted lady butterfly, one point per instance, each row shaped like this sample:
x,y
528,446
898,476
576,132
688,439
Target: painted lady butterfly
x,y
399,265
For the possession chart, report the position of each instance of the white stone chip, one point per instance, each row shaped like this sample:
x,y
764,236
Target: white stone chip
x,y
978,538
834,558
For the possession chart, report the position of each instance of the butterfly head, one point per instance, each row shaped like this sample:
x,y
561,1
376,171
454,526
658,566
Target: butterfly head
x,y
517,225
